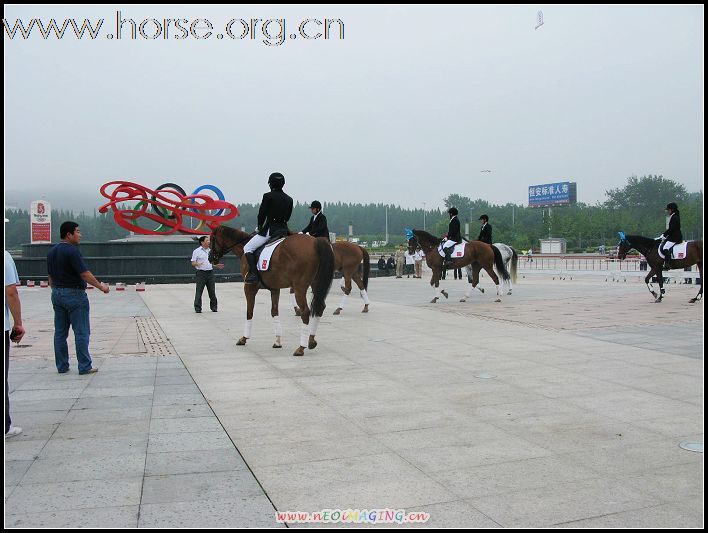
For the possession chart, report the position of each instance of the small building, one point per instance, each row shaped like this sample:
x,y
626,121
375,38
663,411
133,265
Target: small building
x,y
553,246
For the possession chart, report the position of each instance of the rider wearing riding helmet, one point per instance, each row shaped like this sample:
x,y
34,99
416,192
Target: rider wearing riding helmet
x,y
318,223
485,232
453,235
672,235
273,215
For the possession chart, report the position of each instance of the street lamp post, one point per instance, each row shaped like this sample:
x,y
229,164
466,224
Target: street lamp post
x,y
423,216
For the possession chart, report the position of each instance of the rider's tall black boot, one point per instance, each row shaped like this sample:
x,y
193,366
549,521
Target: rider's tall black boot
x,y
252,277
448,257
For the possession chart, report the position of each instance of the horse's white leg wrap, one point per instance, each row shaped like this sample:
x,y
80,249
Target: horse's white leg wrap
x,y
304,335
468,292
341,302
248,328
292,297
277,326
364,296
314,322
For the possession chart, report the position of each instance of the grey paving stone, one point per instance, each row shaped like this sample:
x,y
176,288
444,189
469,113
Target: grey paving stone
x,y
233,485
220,460
116,517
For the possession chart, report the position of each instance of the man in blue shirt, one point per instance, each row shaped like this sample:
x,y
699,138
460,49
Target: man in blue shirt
x,y
68,277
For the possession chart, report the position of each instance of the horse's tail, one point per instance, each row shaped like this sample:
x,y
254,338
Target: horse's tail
x,y
499,263
366,267
514,262
323,278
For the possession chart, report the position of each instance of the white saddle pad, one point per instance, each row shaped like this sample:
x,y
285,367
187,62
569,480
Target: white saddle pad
x,y
679,251
457,251
264,258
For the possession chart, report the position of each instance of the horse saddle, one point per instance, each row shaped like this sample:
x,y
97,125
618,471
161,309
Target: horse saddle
x,y
457,251
679,250
264,253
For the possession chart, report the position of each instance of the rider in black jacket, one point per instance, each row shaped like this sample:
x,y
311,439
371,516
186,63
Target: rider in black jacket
x,y
273,215
318,223
672,236
485,233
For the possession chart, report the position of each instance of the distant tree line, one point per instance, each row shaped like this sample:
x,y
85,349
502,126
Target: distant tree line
x,y
636,208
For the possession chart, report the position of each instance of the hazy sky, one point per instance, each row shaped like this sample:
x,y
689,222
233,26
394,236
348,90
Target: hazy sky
x,y
409,107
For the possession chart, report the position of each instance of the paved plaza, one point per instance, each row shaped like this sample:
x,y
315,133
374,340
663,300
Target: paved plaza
x,y
559,406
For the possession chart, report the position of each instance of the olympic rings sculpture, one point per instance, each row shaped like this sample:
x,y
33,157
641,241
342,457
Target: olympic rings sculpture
x,y
171,207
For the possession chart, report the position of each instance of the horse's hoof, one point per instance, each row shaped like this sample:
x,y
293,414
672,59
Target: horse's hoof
x,y
276,345
297,311
343,289
366,309
299,352
444,294
312,345
508,293
241,341
498,300
481,290
434,300
462,300
337,311
692,300
657,301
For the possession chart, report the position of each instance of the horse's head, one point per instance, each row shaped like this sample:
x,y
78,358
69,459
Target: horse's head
x,y
623,247
216,248
412,241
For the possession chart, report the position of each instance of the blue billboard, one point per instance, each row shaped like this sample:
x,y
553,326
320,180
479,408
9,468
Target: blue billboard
x,y
551,194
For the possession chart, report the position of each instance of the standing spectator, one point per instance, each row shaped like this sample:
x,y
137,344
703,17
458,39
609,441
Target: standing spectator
x,y
205,275
529,256
458,273
400,261
382,266
390,265
68,276
410,264
12,306
418,262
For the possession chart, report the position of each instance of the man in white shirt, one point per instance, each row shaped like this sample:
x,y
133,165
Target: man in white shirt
x,y
418,256
205,275
12,306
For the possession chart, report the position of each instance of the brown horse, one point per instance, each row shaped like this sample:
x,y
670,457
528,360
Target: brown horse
x,y
298,262
353,262
649,248
479,255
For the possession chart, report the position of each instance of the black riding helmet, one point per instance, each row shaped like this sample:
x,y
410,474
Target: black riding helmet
x,y
484,217
452,211
276,180
316,205
672,205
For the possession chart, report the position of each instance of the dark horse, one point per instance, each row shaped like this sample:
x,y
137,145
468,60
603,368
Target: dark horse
x,y
649,248
353,262
298,262
479,255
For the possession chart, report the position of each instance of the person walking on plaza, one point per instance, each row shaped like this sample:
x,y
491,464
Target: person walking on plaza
x,y
485,232
410,264
273,215
205,275
400,261
318,222
68,277
418,256
14,308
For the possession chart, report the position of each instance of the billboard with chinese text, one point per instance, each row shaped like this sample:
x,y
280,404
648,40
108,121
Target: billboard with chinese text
x,y
551,194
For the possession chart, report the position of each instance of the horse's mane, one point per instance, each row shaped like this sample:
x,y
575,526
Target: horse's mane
x,y
236,235
642,241
426,237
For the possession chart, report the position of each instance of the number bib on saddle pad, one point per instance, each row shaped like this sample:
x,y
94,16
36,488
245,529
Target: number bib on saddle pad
x,y
266,253
457,251
679,251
